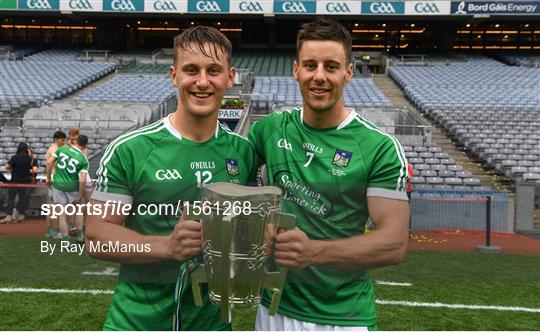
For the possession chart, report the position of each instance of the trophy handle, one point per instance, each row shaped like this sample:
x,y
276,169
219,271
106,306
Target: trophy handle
x,y
198,277
225,266
275,281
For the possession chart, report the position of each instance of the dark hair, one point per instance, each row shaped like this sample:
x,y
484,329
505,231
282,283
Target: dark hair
x,y
195,38
324,29
59,134
82,140
22,148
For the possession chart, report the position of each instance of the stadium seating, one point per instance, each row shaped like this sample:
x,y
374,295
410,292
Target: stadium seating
x,y
148,69
131,88
45,76
481,83
527,59
433,169
101,122
490,109
284,91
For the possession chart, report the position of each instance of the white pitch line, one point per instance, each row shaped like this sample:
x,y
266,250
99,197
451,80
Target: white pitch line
x,y
391,283
109,271
455,306
381,302
59,291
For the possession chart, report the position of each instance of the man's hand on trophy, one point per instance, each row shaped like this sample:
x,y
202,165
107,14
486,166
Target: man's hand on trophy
x,y
186,239
294,249
269,239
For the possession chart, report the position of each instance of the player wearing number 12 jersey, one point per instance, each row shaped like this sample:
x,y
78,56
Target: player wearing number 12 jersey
x,y
336,170
161,165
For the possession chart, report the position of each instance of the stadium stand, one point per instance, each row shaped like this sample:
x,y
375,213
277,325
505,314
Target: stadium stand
x,y
284,91
434,169
489,108
526,60
45,76
131,88
148,69
8,52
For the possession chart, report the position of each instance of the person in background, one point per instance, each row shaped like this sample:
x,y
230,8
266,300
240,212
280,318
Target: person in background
x,y
53,231
409,189
20,166
70,167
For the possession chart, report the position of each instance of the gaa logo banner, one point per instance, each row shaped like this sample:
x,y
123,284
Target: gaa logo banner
x,y
81,5
208,6
165,6
251,7
383,8
325,7
295,7
39,4
125,6
427,8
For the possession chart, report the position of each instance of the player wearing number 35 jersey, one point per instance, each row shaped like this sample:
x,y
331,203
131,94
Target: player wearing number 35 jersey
x,y
69,182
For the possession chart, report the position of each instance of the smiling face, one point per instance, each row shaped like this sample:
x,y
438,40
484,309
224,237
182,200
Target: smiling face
x,y
201,79
322,71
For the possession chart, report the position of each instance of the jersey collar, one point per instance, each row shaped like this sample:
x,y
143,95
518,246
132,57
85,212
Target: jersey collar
x,y
76,148
176,133
343,124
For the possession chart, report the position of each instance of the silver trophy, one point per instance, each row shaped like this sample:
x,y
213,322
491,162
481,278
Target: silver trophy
x,y
236,242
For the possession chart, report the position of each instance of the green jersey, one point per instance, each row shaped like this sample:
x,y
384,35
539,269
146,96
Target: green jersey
x,y
155,166
70,162
326,176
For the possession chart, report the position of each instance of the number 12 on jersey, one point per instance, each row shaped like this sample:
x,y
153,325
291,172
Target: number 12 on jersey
x,y
203,178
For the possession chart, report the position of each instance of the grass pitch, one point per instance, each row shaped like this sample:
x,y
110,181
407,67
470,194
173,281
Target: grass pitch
x,y
501,282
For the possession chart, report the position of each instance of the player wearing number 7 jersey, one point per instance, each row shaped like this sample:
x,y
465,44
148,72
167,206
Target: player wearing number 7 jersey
x,y
69,182
161,164
336,170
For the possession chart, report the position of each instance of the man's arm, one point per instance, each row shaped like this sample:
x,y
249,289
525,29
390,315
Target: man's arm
x,y
51,164
385,245
82,184
183,243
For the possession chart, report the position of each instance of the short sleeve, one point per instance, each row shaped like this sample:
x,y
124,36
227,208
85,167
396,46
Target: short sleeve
x,y
388,172
113,178
252,163
255,137
84,165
